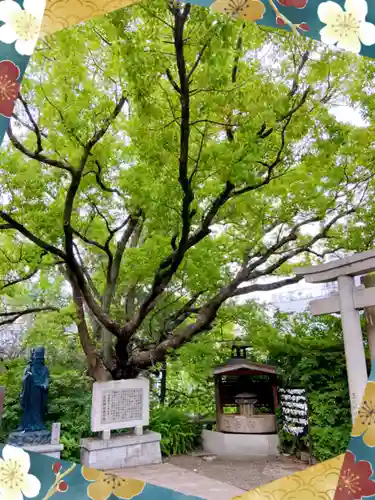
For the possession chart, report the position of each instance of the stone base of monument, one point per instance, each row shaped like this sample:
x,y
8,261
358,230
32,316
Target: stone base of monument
x,y
240,446
51,450
124,450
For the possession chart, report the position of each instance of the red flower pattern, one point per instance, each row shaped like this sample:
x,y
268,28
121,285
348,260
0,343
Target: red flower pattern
x,y
298,4
304,27
56,467
9,87
62,487
354,481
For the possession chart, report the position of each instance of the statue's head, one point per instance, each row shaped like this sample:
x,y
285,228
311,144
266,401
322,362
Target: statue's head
x,y
38,354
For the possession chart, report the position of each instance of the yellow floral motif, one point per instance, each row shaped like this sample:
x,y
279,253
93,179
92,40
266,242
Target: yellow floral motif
x,y
314,483
60,14
365,422
105,484
251,10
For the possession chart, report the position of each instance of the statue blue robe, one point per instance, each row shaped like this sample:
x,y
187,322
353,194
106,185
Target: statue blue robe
x,y
34,392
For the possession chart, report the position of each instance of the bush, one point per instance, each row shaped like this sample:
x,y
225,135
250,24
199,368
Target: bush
x,y
179,434
11,380
330,421
70,404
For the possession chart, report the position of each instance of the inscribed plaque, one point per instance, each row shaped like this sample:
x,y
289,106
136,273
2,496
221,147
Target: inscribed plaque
x,y
120,404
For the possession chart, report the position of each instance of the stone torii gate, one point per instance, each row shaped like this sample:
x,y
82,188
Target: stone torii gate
x,y
349,300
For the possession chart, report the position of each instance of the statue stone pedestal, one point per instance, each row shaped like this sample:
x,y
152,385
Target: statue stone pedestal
x,y
51,450
42,441
24,438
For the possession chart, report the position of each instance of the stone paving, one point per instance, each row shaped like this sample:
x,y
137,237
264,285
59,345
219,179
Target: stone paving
x,y
243,474
182,480
213,479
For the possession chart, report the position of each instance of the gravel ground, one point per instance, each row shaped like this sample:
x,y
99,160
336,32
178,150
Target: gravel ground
x,y
245,474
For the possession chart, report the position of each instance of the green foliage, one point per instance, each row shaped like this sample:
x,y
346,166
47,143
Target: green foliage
x,y
179,433
309,352
70,404
322,170
190,384
11,380
54,331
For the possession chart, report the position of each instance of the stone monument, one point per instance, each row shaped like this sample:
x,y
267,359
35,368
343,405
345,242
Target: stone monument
x,y
32,433
120,404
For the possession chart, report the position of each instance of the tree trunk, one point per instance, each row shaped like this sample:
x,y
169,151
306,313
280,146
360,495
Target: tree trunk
x,y
163,383
123,367
96,368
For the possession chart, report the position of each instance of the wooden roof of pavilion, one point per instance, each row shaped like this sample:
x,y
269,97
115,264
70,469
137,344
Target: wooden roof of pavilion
x,y
243,364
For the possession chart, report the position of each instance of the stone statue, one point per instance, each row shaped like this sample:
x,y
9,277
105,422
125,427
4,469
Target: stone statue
x,y
33,402
34,392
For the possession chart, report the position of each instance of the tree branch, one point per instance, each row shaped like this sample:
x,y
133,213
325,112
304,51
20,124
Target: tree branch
x,y
30,236
13,316
37,155
114,270
265,287
35,126
20,280
90,242
172,81
197,61
98,177
295,84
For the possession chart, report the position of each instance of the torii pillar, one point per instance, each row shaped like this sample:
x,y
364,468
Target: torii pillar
x,y
348,302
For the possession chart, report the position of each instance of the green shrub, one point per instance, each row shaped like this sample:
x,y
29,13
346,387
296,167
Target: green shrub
x,y
11,380
330,421
70,404
179,434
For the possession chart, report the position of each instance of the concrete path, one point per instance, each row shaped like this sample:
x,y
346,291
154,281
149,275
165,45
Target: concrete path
x,y
182,480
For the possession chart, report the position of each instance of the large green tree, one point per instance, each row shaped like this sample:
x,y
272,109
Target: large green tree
x,y
165,159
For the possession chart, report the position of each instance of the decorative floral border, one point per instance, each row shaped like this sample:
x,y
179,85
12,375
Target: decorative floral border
x,y
342,24
25,475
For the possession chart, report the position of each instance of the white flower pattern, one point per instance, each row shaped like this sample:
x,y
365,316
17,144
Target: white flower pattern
x,y
21,26
346,28
15,480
